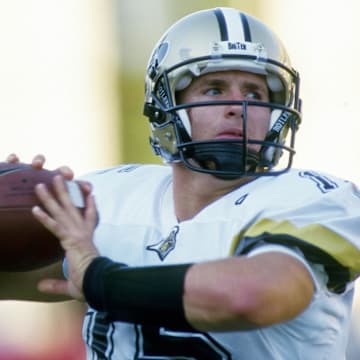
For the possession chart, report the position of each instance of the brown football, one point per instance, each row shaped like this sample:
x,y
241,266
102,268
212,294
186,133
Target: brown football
x,y
25,244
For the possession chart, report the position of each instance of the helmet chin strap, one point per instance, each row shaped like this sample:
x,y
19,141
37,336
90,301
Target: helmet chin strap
x,y
225,160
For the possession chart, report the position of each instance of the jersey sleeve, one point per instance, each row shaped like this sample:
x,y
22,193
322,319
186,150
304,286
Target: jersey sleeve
x,y
326,228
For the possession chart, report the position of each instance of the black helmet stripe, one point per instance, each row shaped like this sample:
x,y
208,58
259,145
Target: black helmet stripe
x,y
222,24
246,27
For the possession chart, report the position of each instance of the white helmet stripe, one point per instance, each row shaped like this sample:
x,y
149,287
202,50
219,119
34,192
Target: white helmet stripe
x,y
233,27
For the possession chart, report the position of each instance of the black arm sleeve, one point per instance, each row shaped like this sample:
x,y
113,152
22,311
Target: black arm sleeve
x,y
142,295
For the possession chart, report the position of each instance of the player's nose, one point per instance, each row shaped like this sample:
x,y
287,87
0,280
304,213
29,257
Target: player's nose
x,y
235,108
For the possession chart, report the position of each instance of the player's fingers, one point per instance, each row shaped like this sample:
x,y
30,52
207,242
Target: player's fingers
x,y
91,215
85,186
46,198
61,190
38,161
48,201
12,158
66,172
53,286
64,198
47,221
58,287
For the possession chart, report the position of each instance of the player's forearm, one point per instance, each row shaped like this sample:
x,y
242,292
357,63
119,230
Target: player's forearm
x,y
184,297
223,295
155,295
146,295
216,299
240,293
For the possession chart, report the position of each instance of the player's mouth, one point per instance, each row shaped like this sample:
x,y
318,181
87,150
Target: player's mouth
x,y
230,134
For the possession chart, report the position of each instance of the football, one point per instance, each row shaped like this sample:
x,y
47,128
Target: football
x,y
25,244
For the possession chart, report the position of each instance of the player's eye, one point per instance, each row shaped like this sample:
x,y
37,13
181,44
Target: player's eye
x,y
253,95
213,91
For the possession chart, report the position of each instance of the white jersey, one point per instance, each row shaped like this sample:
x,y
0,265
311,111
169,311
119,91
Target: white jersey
x,y
305,214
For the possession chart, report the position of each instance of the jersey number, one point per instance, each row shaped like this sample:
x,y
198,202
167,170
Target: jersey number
x,y
152,343
159,343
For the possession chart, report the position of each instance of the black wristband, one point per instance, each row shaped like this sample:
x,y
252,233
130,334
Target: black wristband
x,y
151,295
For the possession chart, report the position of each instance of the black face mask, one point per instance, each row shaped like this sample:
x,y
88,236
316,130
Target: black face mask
x,y
225,159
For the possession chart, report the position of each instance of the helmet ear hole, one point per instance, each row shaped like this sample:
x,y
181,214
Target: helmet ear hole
x,y
154,114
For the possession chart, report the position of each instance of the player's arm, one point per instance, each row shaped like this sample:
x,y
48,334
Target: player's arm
x,y
246,292
237,293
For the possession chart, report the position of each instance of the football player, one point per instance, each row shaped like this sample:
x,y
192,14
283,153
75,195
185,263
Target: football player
x,y
226,252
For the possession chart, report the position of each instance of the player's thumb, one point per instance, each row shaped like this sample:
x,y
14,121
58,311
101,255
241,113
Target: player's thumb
x,y
59,287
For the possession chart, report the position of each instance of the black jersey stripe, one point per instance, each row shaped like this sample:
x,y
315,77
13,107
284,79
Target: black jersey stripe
x,y
224,35
99,335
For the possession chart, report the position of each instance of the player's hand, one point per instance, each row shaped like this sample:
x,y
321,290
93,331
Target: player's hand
x,y
74,231
38,162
